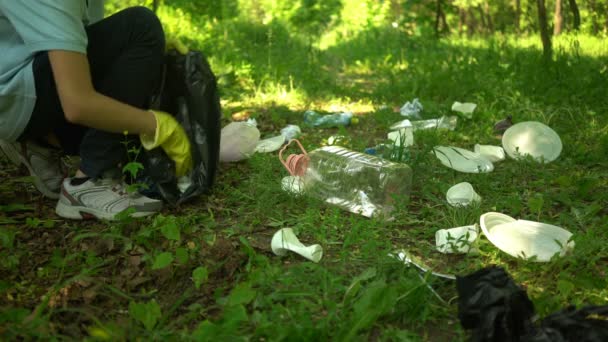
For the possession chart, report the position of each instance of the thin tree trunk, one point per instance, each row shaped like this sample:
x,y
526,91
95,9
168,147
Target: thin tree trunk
x,y
482,16
441,24
594,23
517,15
486,8
576,14
558,19
155,5
544,30
471,22
462,20
444,22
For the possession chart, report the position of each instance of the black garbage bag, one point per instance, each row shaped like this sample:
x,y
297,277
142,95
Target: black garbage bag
x,y
188,91
493,306
589,324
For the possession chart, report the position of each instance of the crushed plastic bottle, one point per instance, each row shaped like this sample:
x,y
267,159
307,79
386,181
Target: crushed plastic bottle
x,y
315,119
357,182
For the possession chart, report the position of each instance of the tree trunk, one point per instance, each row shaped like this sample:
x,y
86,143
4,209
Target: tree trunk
x,y
482,17
471,22
544,30
462,20
486,7
155,5
575,13
517,15
440,20
558,19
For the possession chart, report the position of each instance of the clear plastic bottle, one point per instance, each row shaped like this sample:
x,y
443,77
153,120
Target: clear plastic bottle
x,y
357,182
315,119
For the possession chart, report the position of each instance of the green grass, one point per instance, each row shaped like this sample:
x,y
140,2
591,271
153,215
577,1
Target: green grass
x,y
136,279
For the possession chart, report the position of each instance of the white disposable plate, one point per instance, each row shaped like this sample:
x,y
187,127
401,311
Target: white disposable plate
x,y
462,160
534,139
525,239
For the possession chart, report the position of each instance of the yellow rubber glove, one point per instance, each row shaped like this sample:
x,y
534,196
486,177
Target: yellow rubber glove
x,y
171,137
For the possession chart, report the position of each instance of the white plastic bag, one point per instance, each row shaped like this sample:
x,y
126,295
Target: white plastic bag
x,y
238,141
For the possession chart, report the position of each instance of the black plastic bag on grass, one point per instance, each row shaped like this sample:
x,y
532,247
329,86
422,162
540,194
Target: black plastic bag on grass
x,y
188,91
493,306
589,324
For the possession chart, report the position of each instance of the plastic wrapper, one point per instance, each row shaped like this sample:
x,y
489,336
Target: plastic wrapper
x,y
493,306
238,142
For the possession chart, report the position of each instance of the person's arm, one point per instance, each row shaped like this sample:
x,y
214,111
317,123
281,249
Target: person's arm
x,y
83,105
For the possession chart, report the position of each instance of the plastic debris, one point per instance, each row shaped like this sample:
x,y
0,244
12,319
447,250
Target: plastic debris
x,y
412,109
238,141
402,138
496,309
292,185
353,181
444,122
410,260
589,324
462,195
456,240
490,152
493,306
401,124
466,108
315,119
270,144
524,239
533,139
285,240
462,160
291,132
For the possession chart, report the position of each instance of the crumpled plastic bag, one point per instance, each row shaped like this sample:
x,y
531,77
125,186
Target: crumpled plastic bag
x,y
589,324
412,109
238,141
493,306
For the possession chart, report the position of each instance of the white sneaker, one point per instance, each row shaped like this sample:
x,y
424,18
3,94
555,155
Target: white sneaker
x,y
44,165
102,199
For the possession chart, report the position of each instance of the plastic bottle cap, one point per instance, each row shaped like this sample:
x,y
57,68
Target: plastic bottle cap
x,y
297,164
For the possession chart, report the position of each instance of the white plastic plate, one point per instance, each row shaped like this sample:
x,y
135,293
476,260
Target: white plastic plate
x,y
534,139
525,239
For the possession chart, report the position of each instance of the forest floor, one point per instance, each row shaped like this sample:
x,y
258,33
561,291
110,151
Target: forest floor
x,y
205,270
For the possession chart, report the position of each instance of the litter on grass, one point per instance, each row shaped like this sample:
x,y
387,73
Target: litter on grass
x,y
490,152
291,132
495,308
285,240
410,260
402,138
466,108
462,195
238,141
444,122
270,144
456,240
524,239
401,124
412,109
533,139
462,160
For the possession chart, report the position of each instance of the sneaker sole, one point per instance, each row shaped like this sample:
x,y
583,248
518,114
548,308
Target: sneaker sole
x,y
84,213
18,159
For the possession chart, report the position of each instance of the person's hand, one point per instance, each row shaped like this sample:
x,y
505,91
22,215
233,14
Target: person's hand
x,y
172,138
